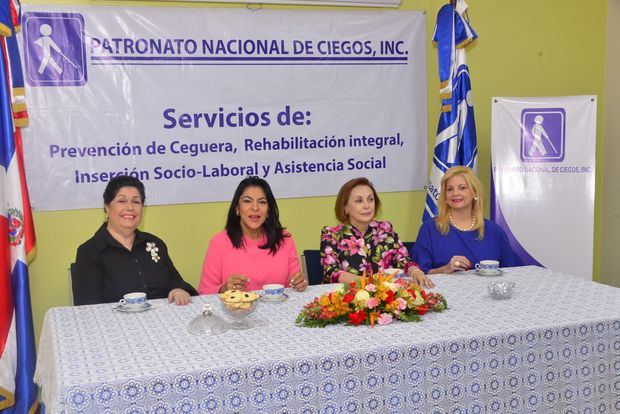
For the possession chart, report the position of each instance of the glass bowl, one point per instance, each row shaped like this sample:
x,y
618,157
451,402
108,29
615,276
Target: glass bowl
x,y
207,323
501,290
238,311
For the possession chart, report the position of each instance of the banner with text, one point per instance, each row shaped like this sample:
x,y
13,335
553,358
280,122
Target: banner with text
x,y
193,100
543,165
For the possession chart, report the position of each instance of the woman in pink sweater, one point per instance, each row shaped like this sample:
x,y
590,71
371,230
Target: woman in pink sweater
x,y
254,249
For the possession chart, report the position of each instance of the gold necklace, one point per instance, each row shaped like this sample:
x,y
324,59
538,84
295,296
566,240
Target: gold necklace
x,y
470,228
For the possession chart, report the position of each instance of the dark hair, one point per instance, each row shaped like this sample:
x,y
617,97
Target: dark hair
x,y
119,182
272,227
345,192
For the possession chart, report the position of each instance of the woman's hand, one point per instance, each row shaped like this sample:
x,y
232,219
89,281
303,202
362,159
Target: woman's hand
x,y
235,282
420,278
298,282
455,264
346,278
179,296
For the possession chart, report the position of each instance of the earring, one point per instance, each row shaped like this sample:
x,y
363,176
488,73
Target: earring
x,y
237,212
476,198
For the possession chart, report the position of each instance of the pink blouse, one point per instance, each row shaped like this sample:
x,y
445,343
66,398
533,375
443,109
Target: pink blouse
x,y
259,265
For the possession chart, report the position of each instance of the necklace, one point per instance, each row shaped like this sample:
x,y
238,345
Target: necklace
x,y
470,228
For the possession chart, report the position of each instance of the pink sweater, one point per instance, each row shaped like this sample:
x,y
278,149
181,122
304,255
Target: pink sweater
x,y
261,267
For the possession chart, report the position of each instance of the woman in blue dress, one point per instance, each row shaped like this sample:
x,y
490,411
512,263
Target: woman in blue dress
x,y
460,237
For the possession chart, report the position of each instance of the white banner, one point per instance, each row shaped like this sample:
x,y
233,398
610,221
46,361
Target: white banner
x,y
193,100
543,161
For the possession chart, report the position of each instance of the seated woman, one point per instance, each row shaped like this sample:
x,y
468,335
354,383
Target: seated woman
x,y
254,249
120,259
460,237
360,243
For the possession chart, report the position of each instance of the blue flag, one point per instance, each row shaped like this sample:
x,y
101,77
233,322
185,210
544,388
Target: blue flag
x,y
455,143
18,393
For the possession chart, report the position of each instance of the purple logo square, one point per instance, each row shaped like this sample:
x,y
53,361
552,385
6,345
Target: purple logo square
x,y
543,132
54,52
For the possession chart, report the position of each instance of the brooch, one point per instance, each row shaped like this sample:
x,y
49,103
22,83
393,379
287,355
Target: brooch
x,y
150,247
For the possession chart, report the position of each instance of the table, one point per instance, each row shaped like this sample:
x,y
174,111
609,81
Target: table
x,y
553,348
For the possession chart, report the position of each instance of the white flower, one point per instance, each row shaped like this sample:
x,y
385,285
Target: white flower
x,y
150,247
392,286
362,296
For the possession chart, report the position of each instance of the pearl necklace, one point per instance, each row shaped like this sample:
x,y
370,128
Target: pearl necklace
x,y
470,228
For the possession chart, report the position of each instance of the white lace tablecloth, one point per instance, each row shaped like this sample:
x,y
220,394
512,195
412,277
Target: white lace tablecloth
x,y
553,348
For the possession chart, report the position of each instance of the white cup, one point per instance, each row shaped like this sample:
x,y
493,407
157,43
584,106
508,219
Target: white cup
x,y
133,300
273,290
487,266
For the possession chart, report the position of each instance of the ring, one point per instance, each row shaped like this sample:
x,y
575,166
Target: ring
x,y
457,264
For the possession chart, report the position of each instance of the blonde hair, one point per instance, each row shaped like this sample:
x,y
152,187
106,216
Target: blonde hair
x,y
442,220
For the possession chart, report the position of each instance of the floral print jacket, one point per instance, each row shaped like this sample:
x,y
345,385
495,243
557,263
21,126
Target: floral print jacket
x,y
345,249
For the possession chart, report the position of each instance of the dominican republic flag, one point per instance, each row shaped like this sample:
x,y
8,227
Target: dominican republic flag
x,y
455,143
18,393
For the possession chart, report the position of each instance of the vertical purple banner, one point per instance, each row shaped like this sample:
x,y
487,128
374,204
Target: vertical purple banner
x,y
542,187
54,52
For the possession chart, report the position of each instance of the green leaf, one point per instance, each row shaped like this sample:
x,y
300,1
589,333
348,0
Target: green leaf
x,y
409,317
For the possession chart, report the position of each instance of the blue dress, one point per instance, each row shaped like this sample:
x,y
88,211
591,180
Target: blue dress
x,y
433,250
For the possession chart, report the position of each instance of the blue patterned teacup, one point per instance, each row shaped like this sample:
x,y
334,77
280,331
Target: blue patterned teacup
x,y
274,290
133,300
487,266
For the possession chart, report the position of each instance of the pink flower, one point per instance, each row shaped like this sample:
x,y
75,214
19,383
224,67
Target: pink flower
x,y
402,251
385,226
371,287
366,266
328,260
353,246
386,259
378,236
372,303
385,319
328,256
402,303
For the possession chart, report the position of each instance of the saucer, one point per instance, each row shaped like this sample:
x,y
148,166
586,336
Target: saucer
x,y
498,272
127,309
282,298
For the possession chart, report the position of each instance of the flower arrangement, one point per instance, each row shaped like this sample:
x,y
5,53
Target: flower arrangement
x,y
370,300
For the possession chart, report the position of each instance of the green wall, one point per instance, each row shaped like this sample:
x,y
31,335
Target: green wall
x,y
525,48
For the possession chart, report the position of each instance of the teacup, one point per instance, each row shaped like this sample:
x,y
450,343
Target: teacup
x,y
273,290
133,300
487,266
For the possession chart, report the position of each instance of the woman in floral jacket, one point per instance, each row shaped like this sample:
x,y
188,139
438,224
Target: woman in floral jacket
x,y
361,243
